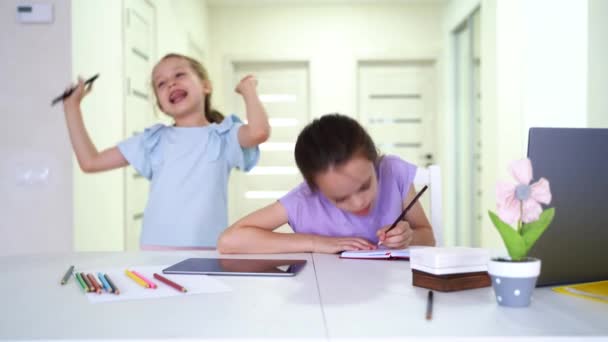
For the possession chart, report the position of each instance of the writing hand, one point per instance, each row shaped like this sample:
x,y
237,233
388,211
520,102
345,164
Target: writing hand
x,y
399,237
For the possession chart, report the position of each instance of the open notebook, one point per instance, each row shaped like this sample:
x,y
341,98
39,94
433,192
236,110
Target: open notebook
x,y
380,253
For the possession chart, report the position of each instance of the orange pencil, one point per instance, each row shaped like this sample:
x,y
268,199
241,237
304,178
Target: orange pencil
x,y
93,281
174,285
137,279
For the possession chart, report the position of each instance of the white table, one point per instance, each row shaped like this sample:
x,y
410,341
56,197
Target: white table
x,y
375,299
34,305
330,300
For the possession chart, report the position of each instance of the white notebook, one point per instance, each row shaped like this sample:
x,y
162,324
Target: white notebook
x,y
380,253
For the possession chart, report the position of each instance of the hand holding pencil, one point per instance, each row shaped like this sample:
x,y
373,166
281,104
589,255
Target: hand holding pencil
x,y
399,234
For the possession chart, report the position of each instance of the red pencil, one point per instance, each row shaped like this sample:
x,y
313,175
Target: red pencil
x,y
96,286
170,283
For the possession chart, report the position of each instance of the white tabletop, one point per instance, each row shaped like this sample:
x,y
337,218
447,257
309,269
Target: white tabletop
x,y
375,299
332,299
34,305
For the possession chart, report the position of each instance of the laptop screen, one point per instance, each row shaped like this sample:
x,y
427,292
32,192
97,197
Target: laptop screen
x,y
575,162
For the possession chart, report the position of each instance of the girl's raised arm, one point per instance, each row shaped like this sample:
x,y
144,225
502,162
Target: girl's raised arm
x,y
257,129
89,159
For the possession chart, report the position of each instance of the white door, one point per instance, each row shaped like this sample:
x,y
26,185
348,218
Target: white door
x,y
283,89
139,55
397,105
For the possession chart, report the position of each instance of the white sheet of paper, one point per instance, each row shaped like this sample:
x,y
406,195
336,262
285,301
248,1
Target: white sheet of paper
x,y
130,290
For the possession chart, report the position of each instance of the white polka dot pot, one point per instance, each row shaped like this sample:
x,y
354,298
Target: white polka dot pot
x,y
514,281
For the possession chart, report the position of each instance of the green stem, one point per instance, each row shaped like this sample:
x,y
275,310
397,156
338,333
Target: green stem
x,y
520,222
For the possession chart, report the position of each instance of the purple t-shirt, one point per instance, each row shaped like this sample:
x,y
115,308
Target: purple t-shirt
x,y
312,213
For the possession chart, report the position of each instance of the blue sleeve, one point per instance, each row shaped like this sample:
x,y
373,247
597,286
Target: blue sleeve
x,y
142,152
236,155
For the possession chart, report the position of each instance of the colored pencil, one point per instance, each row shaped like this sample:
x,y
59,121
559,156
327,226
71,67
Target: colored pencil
x,y
90,287
111,283
404,212
96,286
67,275
152,285
429,306
81,282
137,279
104,282
174,285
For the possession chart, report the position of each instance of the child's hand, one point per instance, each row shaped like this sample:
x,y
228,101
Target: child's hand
x,y
331,245
399,237
247,85
77,95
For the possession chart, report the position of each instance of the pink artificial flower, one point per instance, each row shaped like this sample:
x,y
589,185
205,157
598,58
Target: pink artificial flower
x,y
521,201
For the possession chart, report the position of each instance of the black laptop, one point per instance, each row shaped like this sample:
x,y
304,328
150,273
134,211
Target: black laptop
x,y
574,248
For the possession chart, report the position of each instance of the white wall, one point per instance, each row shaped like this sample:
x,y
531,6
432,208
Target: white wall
x,y
598,68
331,37
35,211
99,198
534,73
182,28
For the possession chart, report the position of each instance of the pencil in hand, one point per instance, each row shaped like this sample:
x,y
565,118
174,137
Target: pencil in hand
x,y
170,283
404,212
69,92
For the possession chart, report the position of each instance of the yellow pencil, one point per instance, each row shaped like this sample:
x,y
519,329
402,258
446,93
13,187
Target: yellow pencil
x,y
136,279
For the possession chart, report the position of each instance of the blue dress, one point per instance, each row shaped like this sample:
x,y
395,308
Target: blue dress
x,y
188,169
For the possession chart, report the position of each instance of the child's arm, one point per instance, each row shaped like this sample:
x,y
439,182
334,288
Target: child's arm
x,y
89,159
257,129
415,231
254,234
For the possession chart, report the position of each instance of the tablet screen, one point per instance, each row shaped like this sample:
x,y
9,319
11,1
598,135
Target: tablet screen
x,y
225,266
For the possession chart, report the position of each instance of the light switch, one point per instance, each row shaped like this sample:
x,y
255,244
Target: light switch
x,y
35,13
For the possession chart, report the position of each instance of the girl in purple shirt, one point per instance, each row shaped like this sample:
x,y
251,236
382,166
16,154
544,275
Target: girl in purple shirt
x,y
350,197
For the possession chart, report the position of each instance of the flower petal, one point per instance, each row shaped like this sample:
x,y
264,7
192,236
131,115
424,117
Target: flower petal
x,y
541,191
509,211
504,192
522,171
532,211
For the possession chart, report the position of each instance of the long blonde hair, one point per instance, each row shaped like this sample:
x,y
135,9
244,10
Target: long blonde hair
x,y
211,114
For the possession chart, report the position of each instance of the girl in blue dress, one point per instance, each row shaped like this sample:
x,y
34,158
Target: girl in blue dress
x,y
187,163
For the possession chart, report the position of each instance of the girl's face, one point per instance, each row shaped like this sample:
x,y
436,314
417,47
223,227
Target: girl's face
x,y
179,90
351,186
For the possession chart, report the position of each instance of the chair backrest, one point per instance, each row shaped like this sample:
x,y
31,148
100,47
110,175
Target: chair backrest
x,y
431,176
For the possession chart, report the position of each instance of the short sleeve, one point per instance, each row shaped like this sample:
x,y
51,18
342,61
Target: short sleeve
x,y
292,202
236,155
142,150
403,172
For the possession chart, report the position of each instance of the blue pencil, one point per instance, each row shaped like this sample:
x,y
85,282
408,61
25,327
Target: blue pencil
x,y
104,282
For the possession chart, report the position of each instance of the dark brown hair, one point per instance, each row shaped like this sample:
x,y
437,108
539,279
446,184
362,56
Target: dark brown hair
x,y
331,140
211,114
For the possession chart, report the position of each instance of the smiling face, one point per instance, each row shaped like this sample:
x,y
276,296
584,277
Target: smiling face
x,y
180,92
351,186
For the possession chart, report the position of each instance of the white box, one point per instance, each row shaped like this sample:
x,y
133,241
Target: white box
x,y
449,260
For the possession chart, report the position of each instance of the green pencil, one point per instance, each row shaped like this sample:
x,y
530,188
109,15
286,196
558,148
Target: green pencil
x,y
79,281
